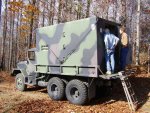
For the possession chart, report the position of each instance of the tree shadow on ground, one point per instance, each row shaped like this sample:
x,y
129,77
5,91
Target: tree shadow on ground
x,y
37,88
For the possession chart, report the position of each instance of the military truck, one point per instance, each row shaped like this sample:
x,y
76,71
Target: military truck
x,y
69,60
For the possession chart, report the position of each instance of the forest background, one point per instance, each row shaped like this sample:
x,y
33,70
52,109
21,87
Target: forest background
x,y
20,18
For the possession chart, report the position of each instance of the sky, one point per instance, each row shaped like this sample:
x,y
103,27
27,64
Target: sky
x,y
3,5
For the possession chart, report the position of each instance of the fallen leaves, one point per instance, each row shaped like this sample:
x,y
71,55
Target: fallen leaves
x,y
36,100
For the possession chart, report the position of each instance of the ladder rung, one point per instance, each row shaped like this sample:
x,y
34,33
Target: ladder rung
x,y
129,86
136,102
133,94
127,82
135,99
130,90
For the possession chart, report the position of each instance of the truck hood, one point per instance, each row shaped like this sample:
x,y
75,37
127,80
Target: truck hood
x,y
22,65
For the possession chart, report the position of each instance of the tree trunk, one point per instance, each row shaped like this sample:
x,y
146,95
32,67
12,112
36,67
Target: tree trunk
x,y
53,11
16,44
79,10
36,24
43,14
4,37
88,8
138,33
11,40
1,38
49,12
123,13
59,11
70,10
31,25
0,11
19,36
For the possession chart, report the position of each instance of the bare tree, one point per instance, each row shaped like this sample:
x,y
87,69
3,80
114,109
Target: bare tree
x,y
88,8
4,37
43,13
32,2
0,9
138,32
59,10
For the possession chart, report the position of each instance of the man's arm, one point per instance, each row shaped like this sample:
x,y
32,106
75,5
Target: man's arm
x,y
124,39
116,40
106,41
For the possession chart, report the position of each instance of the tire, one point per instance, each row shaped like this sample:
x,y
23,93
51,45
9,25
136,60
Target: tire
x,y
65,82
76,92
20,82
56,89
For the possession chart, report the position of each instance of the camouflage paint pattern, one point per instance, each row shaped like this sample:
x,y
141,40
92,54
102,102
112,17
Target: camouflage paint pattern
x,y
71,46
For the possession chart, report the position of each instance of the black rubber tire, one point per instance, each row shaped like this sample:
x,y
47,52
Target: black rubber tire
x,y
56,89
76,92
20,82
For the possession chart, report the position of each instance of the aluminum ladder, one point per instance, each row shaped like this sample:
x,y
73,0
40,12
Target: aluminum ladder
x,y
129,92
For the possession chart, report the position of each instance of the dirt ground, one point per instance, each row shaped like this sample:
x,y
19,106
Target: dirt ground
x,y
36,100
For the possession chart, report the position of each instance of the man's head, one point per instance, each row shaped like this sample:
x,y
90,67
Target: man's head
x,y
122,29
107,30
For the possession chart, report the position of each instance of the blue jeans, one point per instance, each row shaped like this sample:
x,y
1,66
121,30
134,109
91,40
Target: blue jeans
x,y
110,63
124,52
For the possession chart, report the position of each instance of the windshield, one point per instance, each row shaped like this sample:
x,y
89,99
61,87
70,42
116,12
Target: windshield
x,y
31,55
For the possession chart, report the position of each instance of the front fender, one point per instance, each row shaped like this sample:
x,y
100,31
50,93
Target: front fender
x,y
26,68
15,71
22,66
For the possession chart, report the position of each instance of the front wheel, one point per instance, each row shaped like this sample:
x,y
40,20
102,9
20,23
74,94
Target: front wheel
x,y
20,85
76,92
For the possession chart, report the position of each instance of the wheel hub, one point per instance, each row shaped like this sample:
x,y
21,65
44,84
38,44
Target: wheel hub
x,y
19,82
54,89
74,93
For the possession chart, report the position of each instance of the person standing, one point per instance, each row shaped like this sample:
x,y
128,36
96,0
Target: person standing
x,y
110,41
124,48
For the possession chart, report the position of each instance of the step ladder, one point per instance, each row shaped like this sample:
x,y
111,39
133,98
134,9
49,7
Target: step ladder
x,y
129,92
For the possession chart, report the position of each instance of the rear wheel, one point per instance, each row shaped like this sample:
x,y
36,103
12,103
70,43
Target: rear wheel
x,y
56,89
76,92
20,85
